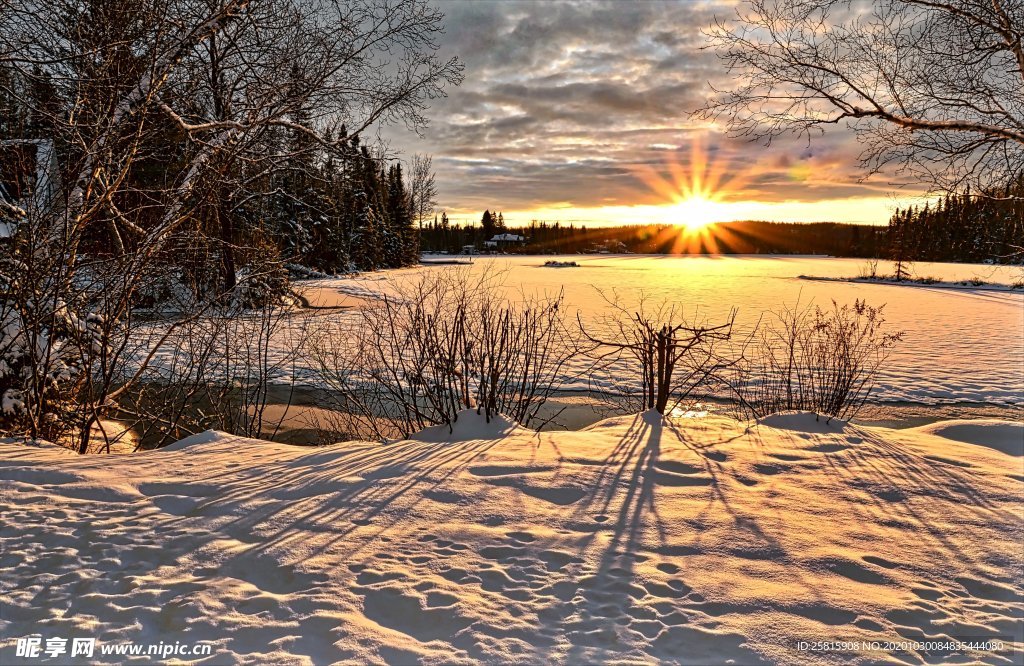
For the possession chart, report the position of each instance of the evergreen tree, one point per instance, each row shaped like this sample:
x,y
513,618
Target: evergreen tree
x,y
488,225
397,214
962,227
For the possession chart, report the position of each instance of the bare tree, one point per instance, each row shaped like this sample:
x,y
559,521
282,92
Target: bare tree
x,y
128,74
933,86
423,190
69,310
126,69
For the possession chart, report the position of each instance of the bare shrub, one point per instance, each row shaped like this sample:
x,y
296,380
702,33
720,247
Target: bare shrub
x,y
821,360
676,359
869,270
82,365
70,333
214,372
443,343
521,352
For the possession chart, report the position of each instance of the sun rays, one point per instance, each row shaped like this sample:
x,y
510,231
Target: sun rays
x,y
697,195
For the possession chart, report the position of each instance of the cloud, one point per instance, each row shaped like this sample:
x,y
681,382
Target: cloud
x,y
564,103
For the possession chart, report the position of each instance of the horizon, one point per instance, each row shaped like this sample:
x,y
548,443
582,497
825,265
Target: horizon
x,y
465,219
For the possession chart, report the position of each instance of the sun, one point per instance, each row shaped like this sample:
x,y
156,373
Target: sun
x,y
694,190
695,212
698,193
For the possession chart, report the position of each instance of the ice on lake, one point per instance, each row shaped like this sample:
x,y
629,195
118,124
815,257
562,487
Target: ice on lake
x,y
959,345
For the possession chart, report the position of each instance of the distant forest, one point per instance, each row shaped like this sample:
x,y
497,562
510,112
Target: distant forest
x,y
729,238
961,228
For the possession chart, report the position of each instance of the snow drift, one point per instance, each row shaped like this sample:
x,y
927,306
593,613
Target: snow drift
x,y
637,540
1000,435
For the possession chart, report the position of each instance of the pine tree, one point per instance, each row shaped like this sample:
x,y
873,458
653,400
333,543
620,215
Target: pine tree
x,y
961,227
398,240
300,223
487,223
368,227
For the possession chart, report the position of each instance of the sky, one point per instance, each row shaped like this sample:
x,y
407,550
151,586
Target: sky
x,y
581,112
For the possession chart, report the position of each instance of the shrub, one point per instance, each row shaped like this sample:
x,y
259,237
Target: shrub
x,y
869,270
213,370
675,358
444,342
821,360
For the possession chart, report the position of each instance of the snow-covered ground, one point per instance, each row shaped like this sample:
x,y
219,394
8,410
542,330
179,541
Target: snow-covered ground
x,y
701,540
975,285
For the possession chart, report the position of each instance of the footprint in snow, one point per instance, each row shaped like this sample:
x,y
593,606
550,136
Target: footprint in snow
x,y
879,561
678,467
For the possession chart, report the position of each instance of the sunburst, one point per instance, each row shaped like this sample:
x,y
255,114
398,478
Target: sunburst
x,y
696,195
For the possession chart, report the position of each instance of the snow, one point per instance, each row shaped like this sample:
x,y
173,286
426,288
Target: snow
x,y
198,440
803,422
30,444
325,296
12,402
360,287
960,345
470,425
698,540
1000,435
966,284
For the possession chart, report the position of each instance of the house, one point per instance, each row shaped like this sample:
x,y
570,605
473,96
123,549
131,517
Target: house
x,y
506,240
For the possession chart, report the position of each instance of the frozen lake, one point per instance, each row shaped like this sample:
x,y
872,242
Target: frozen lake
x,y
960,346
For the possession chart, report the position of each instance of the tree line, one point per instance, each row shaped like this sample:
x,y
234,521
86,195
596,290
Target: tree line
x,y
959,227
540,237
962,227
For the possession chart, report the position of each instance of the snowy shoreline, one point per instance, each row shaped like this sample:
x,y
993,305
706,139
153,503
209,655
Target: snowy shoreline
x,y
636,539
966,285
